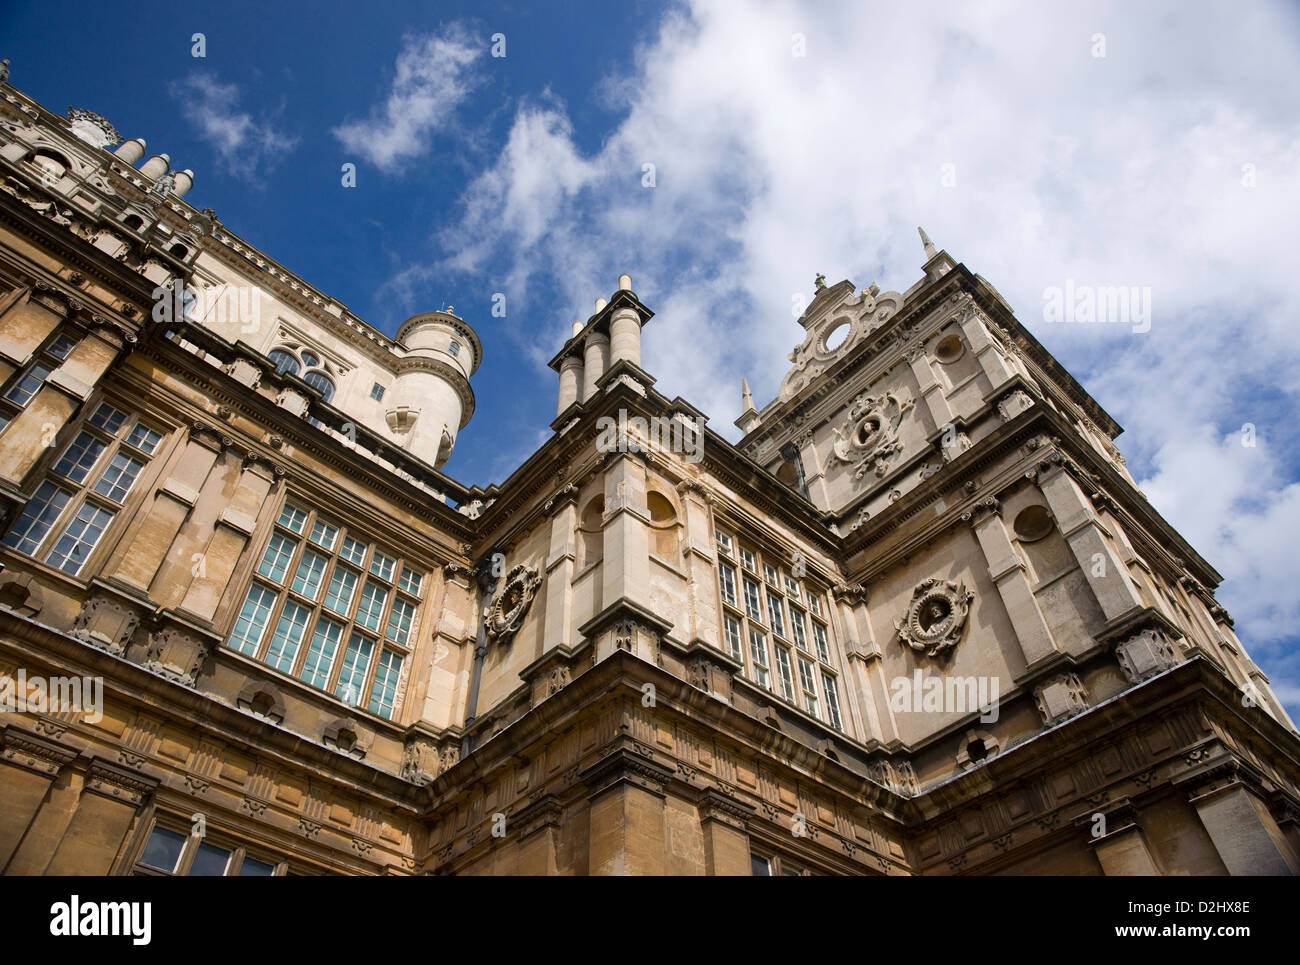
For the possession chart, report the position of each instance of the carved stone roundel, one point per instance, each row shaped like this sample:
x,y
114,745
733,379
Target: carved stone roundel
x,y
936,617
507,613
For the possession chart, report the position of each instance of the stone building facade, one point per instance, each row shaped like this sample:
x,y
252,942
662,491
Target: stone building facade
x,y
919,620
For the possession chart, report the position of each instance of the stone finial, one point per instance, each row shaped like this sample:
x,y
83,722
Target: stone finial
x,y
625,283
930,249
4,70
746,397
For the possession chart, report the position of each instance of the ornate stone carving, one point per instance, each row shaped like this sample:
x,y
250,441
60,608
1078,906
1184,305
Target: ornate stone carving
x,y
854,593
1014,403
869,435
176,654
977,513
936,617
1061,698
420,764
105,624
507,613
1145,654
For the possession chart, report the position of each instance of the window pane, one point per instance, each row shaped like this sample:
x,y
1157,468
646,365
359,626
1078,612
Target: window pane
x,y
760,867
832,701
311,569
399,621
724,542
758,652
79,457
251,623
209,861
727,577
283,650
284,362
797,628
38,516
108,418
774,611
144,438
753,606
293,518
411,581
819,634
343,583
319,661
119,477
252,868
785,673
734,645
808,681
353,551
356,664
275,561
387,674
163,849
324,535
309,358
371,608
377,392
74,546
29,384
62,347
747,560
381,566
321,382
769,575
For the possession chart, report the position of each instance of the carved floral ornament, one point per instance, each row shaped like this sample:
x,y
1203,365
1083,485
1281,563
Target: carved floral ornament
x,y
936,617
507,613
869,436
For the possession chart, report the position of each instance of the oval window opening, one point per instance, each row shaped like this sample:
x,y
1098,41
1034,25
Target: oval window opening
x,y
836,336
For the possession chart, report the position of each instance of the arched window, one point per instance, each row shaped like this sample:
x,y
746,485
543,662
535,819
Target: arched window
x,y
133,221
319,380
591,535
285,362
663,519
304,362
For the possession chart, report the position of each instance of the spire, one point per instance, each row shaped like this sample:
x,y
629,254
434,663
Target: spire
x,y
746,397
930,249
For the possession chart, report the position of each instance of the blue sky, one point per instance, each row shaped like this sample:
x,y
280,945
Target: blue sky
x,y
1107,144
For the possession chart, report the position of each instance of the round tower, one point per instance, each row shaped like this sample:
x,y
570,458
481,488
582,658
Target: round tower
x,y
431,398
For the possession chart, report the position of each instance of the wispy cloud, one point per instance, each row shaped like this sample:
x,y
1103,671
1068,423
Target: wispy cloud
x,y
1110,144
247,147
434,74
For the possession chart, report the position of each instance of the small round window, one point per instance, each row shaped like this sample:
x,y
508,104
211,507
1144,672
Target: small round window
x,y
1032,523
949,349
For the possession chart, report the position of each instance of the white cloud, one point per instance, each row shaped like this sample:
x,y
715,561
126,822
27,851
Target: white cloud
x,y
433,76
248,147
1122,170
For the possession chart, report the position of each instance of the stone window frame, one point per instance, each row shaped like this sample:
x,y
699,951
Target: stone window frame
x,y
49,357
84,491
777,866
376,697
238,852
773,592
